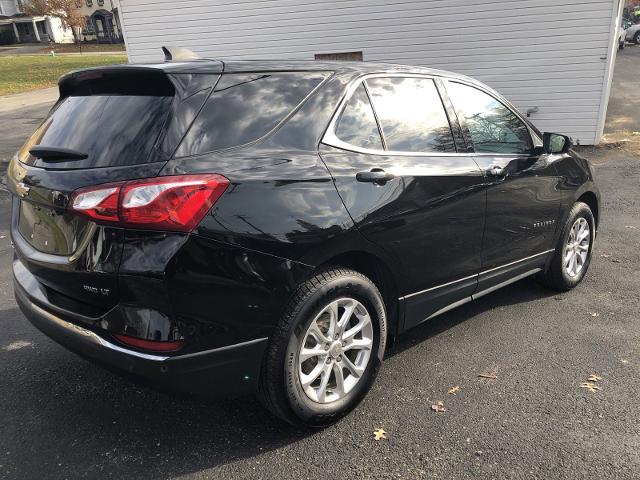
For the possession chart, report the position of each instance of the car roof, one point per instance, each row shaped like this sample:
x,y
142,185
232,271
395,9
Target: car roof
x,y
211,66
240,66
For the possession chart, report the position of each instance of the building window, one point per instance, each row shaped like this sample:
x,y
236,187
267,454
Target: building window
x,y
101,3
88,27
347,56
89,3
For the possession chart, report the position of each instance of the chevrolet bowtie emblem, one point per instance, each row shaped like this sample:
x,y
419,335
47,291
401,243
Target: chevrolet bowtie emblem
x,y
22,189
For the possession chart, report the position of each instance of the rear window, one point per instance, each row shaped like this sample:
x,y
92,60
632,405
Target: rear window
x,y
113,130
245,107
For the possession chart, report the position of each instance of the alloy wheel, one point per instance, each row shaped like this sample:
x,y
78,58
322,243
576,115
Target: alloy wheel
x,y
577,247
335,351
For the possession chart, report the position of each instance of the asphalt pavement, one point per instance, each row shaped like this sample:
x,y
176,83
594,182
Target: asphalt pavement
x,y
61,417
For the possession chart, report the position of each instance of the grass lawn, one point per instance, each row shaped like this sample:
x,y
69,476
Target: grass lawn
x,y
23,73
85,48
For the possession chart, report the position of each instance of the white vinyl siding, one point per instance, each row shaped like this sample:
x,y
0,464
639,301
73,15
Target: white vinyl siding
x,y
550,54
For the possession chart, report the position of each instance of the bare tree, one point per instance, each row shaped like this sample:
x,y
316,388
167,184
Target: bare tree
x,y
66,10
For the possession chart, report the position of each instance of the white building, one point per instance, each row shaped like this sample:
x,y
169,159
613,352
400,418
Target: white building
x,y
15,26
552,56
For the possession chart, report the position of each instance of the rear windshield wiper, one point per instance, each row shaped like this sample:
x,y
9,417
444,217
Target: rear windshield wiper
x,y
57,153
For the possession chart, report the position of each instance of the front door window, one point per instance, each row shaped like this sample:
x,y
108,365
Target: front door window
x,y
492,126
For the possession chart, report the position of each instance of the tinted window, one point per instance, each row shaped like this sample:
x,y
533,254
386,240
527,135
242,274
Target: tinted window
x,y
244,107
493,127
112,130
411,114
357,124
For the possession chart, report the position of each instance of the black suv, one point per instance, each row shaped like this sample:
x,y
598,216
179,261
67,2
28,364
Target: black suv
x,y
268,227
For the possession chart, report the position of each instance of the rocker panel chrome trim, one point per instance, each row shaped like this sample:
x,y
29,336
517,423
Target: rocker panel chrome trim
x,y
476,275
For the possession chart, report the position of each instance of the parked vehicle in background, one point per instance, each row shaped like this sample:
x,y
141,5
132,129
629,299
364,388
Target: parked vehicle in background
x,y
268,227
622,35
633,34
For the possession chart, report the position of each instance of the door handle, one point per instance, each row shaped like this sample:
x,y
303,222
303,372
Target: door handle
x,y
495,171
376,175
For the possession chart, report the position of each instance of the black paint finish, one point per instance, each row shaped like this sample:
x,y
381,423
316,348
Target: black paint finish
x,y
430,228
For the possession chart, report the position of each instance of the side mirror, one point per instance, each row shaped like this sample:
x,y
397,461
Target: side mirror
x,y
556,143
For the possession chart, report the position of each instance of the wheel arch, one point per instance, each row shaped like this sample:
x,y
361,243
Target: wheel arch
x,y
377,270
591,199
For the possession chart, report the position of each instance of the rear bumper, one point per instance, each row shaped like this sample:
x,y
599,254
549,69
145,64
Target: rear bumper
x,y
224,371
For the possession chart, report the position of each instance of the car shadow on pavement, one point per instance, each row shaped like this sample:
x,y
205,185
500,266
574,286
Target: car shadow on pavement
x,y
524,291
65,414
64,417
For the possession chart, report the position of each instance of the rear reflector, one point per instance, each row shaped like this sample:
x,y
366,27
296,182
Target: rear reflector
x,y
149,345
175,203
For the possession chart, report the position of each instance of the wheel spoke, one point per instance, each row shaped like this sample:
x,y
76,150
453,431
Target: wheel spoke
x,y
348,364
583,257
584,248
584,233
339,374
346,316
353,331
307,353
574,264
567,258
333,319
320,337
359,344
308,379
322,389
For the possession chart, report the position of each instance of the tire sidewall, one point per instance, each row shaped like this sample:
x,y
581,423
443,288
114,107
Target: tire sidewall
x,y
313,413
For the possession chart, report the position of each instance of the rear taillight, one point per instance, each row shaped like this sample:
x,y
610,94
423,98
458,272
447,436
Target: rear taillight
x,y
175,203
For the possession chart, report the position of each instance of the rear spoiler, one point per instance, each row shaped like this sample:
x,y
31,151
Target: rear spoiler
x,y
137,79
117,80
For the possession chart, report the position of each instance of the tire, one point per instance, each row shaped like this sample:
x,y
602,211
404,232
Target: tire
x,y
281,389
636,38
562,274
620,45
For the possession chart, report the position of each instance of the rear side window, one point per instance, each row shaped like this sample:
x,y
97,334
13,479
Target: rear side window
x,y
245,107
492,126
113,130
411,114
357,123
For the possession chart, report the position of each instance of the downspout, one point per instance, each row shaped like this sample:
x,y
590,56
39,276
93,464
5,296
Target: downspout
x,y
608,77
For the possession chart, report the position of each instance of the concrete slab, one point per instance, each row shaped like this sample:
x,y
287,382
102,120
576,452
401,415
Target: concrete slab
x,y
623,112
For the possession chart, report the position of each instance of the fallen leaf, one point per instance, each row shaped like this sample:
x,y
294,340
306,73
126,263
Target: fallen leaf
x,y
592,387
615,260
2,237
454,390
492,376
379,434
629,226
594,314
604,255
438,407
594,378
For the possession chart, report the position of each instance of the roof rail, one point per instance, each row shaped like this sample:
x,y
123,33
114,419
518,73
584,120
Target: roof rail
x,y
178,53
